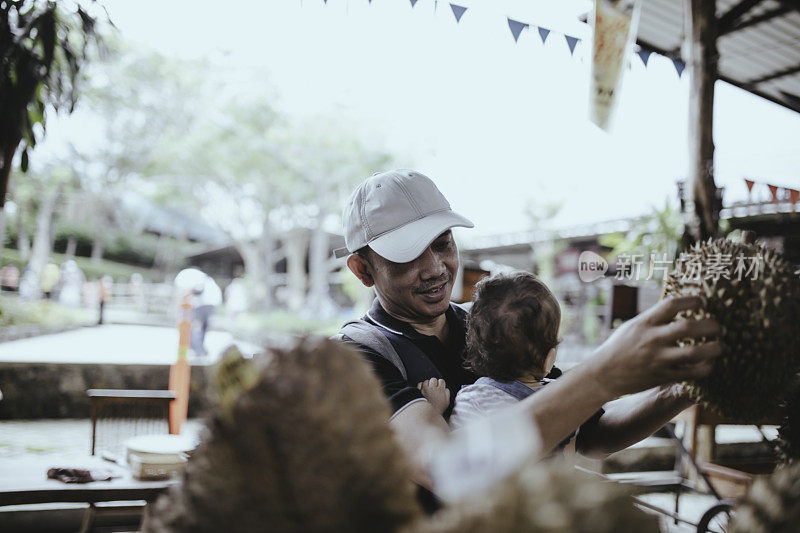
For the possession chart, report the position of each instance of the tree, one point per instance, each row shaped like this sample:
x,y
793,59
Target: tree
x,y
269,181
143,103
44,47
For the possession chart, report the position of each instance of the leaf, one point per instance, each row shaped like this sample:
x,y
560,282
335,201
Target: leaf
x,y
23,161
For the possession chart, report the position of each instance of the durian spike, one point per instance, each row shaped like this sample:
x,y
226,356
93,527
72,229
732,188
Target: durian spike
x,y
307,448
771,505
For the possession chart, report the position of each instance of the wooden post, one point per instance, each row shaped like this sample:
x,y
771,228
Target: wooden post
x,y
180,372
701,35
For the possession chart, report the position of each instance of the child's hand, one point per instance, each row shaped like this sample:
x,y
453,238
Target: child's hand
x,y
436,392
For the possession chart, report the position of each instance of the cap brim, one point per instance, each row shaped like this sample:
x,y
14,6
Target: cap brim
x,y
408,242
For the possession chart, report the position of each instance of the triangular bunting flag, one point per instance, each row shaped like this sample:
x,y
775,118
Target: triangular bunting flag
x,y
749,184
644,54
543,33
794,195
458,11
774,190
516,28
679,66
414,2
571,42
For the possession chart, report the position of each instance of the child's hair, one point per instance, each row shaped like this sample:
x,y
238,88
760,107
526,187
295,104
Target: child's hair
x,y
512,326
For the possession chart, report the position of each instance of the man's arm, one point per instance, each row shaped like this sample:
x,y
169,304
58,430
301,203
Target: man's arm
x,y
628,420
419,428
641,354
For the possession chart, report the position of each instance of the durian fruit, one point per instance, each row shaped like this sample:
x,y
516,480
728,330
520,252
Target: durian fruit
x,y
771,505
788,443
755,295
305,447
546,497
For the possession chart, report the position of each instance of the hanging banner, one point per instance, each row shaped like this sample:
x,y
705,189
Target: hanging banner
x,y
679,66
644,54
774,190
458,11
615,23
571,42
516,28
794,195
543,33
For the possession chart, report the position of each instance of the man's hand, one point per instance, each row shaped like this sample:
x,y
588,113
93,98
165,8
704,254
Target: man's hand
x,y
436,392
644,353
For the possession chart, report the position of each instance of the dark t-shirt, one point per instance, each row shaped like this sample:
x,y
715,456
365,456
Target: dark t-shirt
x,y
445,359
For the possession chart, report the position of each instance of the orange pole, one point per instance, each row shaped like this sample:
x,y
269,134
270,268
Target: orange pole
x,y
180,372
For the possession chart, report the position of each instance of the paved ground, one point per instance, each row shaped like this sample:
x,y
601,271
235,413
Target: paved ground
x,y
118,344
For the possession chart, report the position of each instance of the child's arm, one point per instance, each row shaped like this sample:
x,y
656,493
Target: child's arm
x,y
436,392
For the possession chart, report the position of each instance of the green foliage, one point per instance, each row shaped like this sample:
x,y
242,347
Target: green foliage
x,y
43,313
43,46
659,233
83,235
132,249
253,325
91,269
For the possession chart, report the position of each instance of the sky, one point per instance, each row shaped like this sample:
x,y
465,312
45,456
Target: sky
x,y
496,124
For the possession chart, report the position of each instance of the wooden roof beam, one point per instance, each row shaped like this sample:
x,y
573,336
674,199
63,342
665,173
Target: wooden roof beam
x,y
775,75
734,14
793,4
752,21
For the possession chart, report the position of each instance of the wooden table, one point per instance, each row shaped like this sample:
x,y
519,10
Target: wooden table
x,y
23,480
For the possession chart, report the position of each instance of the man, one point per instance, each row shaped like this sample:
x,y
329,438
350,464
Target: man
x,y
398,234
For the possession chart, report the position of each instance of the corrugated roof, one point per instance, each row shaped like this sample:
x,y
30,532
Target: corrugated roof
x,y
759,43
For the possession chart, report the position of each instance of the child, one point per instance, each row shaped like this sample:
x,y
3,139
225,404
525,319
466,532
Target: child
x,y
512,335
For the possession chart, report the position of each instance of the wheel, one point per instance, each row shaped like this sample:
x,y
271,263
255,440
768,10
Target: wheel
x,y
715,519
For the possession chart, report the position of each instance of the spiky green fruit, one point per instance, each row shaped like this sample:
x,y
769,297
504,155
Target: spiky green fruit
x,y
547,497
756,298
771,505
304,447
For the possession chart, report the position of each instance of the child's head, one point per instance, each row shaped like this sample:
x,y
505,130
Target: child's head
x,y
512,328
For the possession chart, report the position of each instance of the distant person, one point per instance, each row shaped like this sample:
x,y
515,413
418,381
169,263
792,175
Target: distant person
x,y
104,295
50,276
235,298
72,280
9,278
205,295
136,290
29,284
208,296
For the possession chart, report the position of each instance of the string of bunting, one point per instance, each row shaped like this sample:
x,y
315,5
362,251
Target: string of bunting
x,y
517,27
778,193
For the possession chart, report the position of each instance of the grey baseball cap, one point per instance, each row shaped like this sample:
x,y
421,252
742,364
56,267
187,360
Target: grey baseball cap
x,y
398,214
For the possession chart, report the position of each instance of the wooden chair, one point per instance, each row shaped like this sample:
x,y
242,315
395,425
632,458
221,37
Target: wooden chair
x,y
117,415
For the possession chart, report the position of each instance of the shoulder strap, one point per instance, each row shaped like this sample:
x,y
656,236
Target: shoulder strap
x,y
375,338
514,388
420,364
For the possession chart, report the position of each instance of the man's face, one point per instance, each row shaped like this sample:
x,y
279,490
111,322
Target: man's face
x,y
419,290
